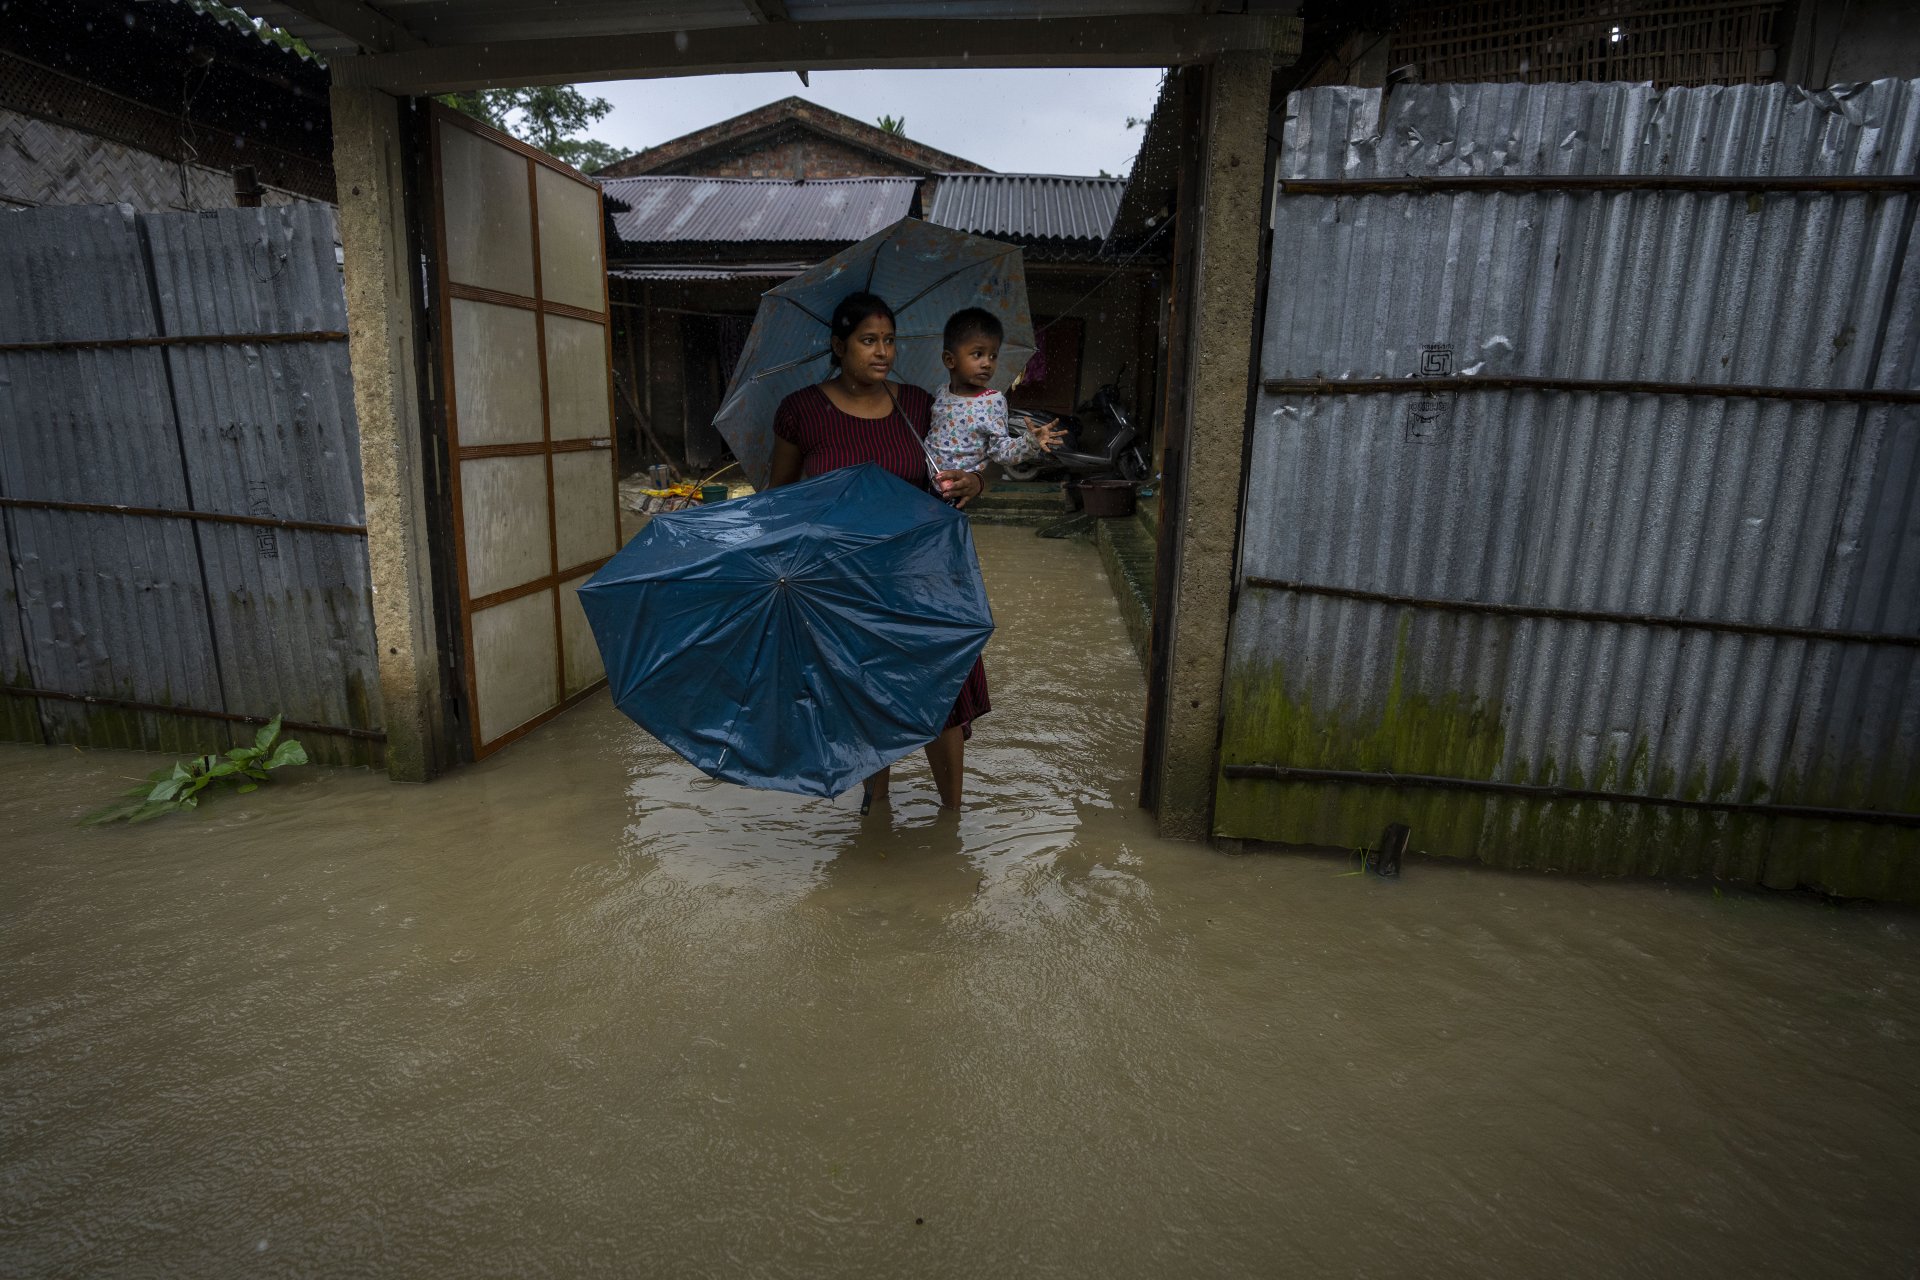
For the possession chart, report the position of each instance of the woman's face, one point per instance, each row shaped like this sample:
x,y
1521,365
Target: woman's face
x,y
867,353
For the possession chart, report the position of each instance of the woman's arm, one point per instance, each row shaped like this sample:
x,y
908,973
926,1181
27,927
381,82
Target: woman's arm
x,y
786,463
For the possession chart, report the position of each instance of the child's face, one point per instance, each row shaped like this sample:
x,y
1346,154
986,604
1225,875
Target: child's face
x,y
972,362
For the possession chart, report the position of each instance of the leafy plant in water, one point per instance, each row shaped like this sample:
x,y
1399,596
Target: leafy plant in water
x,y
178,786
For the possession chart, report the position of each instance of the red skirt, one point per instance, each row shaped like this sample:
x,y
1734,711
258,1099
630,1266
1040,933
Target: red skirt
x,y
971,703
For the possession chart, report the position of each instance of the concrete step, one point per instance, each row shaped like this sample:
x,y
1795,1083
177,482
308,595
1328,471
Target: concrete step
x,y
1017,502
1127,551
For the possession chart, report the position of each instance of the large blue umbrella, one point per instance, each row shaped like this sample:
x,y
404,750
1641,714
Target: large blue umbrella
x,y
925,273
799,639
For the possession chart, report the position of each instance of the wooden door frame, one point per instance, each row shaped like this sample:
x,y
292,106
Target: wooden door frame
x,y
446,291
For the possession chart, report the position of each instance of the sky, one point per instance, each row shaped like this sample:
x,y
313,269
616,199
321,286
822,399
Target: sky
x,y
1013,121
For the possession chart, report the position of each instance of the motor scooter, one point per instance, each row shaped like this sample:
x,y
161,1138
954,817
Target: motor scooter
x,y
1101,444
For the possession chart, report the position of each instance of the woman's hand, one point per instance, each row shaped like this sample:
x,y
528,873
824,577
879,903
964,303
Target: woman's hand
x,y
961,487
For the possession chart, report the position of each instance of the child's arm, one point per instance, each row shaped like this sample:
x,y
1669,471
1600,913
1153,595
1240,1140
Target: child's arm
x,y
1002,447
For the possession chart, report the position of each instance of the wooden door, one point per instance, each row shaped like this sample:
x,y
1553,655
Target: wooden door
x,y
525,365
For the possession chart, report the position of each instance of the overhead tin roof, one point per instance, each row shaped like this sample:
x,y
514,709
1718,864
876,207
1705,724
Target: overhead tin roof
x,y
1027,206
419,47
655,209
332,27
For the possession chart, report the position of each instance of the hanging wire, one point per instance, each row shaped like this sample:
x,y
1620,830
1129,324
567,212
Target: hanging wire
x,y
1103,283
1106,279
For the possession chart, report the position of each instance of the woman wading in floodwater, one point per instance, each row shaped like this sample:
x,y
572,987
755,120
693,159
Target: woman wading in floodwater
x,y
857,416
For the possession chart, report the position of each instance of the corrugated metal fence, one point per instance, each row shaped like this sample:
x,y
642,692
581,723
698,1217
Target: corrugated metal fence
x,y
1583,521
180,508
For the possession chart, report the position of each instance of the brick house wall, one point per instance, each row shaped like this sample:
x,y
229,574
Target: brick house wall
x,y
804,156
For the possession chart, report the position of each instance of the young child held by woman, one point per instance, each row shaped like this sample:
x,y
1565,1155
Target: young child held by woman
x,y
969,423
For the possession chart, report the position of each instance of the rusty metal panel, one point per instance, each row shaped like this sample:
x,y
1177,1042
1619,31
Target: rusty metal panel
x,y
108,605
1690,508
214,618
19,717
268,429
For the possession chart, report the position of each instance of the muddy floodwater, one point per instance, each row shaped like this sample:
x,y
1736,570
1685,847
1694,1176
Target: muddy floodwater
x,y
576,1011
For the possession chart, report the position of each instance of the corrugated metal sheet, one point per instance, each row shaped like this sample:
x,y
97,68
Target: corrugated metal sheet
x,y
269,430
108,605
665,210
1027,206
676,272
1739,509
234,20
242,619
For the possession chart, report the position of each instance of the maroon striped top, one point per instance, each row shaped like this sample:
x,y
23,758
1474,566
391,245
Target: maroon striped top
x,y
829,437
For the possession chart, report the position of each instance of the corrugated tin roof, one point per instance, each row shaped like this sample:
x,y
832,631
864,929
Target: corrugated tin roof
x,y
225,15
1027,206
659,209
682,272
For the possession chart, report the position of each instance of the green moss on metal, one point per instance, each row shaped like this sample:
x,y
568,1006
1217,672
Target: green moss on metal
x,y
1409,732
1442,732
20,717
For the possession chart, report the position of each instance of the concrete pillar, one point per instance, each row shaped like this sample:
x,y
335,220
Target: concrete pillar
x,y
369,167
1220,352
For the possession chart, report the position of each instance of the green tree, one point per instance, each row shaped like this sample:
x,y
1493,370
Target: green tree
x,y
547,116
896,125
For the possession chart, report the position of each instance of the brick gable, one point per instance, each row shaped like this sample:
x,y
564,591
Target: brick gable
x,y
802,155
791,139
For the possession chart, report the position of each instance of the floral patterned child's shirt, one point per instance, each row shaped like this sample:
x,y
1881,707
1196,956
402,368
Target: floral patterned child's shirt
x,y
969,429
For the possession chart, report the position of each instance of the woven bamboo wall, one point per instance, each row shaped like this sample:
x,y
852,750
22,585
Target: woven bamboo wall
x,y
1667,42
64,140
42,163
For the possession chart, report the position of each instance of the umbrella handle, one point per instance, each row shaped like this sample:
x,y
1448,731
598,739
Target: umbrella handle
x,y
926,451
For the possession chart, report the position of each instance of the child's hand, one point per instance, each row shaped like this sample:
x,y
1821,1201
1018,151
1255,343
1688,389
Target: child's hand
x,y
1047,437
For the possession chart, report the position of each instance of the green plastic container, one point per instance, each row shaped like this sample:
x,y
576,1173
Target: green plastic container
x,y
713,493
